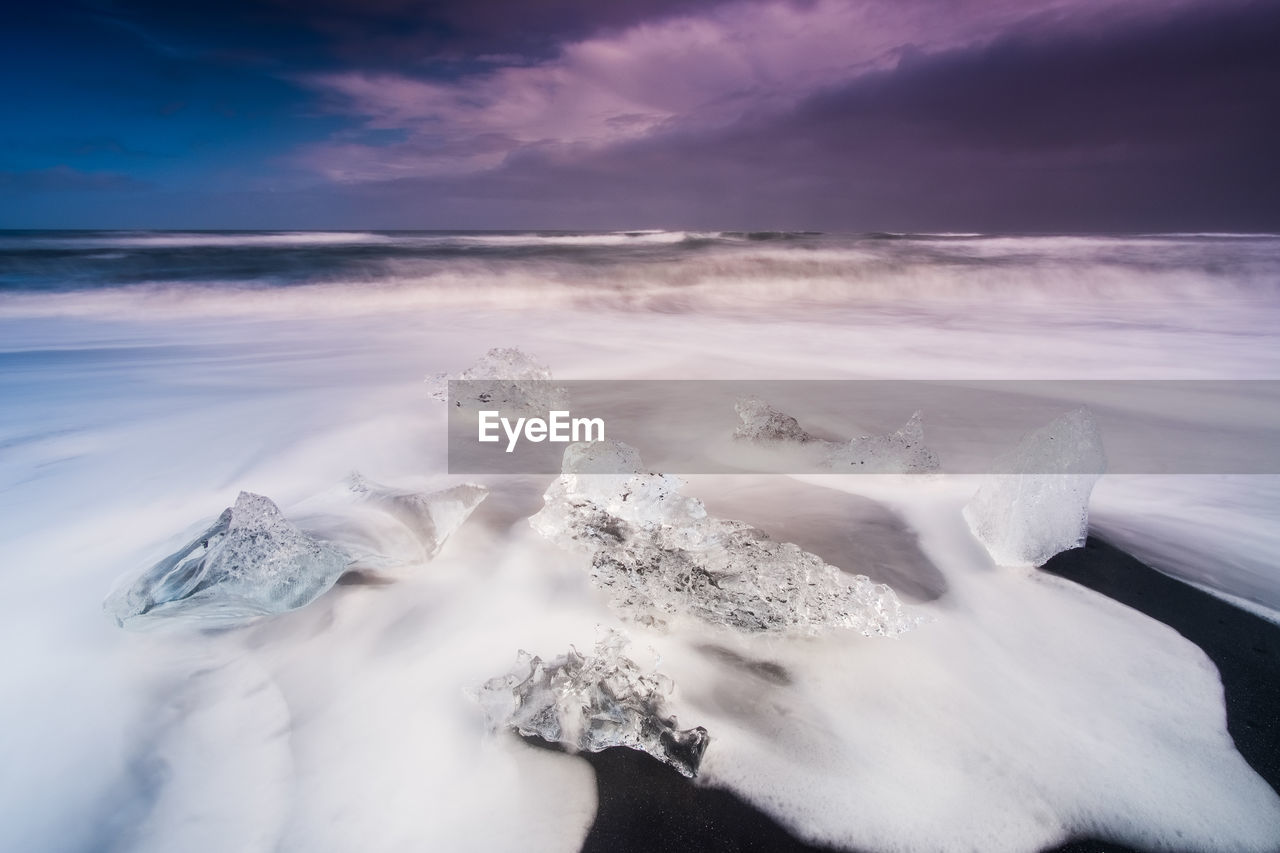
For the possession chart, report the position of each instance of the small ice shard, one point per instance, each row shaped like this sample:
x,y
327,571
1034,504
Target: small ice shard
x,y
761,422
506,380
900,452
592,702
659,556
1035,503
251,562
431,517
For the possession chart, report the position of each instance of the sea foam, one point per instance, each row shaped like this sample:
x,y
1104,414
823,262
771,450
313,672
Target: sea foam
x,y
1025,711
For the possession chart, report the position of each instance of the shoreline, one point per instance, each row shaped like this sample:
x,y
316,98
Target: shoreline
x,y
646,806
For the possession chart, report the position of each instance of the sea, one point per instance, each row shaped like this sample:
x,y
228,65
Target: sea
x,y
147,377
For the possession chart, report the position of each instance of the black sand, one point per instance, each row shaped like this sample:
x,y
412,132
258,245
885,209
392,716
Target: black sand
x,y
1244,647
646,806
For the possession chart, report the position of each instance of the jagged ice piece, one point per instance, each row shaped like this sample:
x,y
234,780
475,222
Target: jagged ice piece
x,y
761,422
659,556
251,561
900,452
1035,503
505,379
592,702
431,517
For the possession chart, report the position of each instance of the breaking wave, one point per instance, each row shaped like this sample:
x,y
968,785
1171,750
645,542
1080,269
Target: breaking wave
x,y
150,377
663,271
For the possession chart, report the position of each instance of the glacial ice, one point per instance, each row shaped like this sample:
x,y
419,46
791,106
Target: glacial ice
x,y
1035,503
659,556
505,379
761,422
899,452
609,476
592,702
253,561
250,562
386,530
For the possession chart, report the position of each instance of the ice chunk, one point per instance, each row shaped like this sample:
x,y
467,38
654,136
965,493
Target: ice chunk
x,y
602,457
729,573
252,561
429,517
761,422
506,380
608,478
593,702
1035,503
900,452
658,555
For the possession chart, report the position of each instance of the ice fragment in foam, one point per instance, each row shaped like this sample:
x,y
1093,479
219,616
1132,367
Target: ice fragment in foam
x,y
659,556
505,379
1035,503
387,531
761,422
253,561
899,452
592,702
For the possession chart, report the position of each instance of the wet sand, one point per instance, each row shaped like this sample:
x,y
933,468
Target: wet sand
x,y
646,806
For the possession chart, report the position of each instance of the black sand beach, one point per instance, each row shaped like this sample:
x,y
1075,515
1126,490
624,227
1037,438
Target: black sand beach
x,y
646,806
1244,647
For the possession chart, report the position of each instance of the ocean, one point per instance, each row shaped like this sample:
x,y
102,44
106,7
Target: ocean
x,y
150,376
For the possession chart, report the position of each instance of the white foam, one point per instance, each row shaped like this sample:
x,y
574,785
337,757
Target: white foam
x,y
1027,709
617,238
1211,531
1030,711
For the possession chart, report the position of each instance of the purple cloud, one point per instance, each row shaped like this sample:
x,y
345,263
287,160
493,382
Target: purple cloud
x,y
692,72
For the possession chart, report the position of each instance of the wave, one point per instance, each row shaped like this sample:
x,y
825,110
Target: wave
x,y
616,238
235,239
81,240
192,239
790,273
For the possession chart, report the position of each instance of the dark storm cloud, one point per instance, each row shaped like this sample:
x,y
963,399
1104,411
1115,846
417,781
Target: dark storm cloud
x,y
914,115
1167,125
696,74
409,35
409,30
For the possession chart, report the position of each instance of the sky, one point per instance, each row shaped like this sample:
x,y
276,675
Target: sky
x,y
838,115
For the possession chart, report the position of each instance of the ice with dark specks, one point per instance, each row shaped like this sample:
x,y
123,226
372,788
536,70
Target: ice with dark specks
x,y
505,379
900,452
761,422
659,556
593,702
